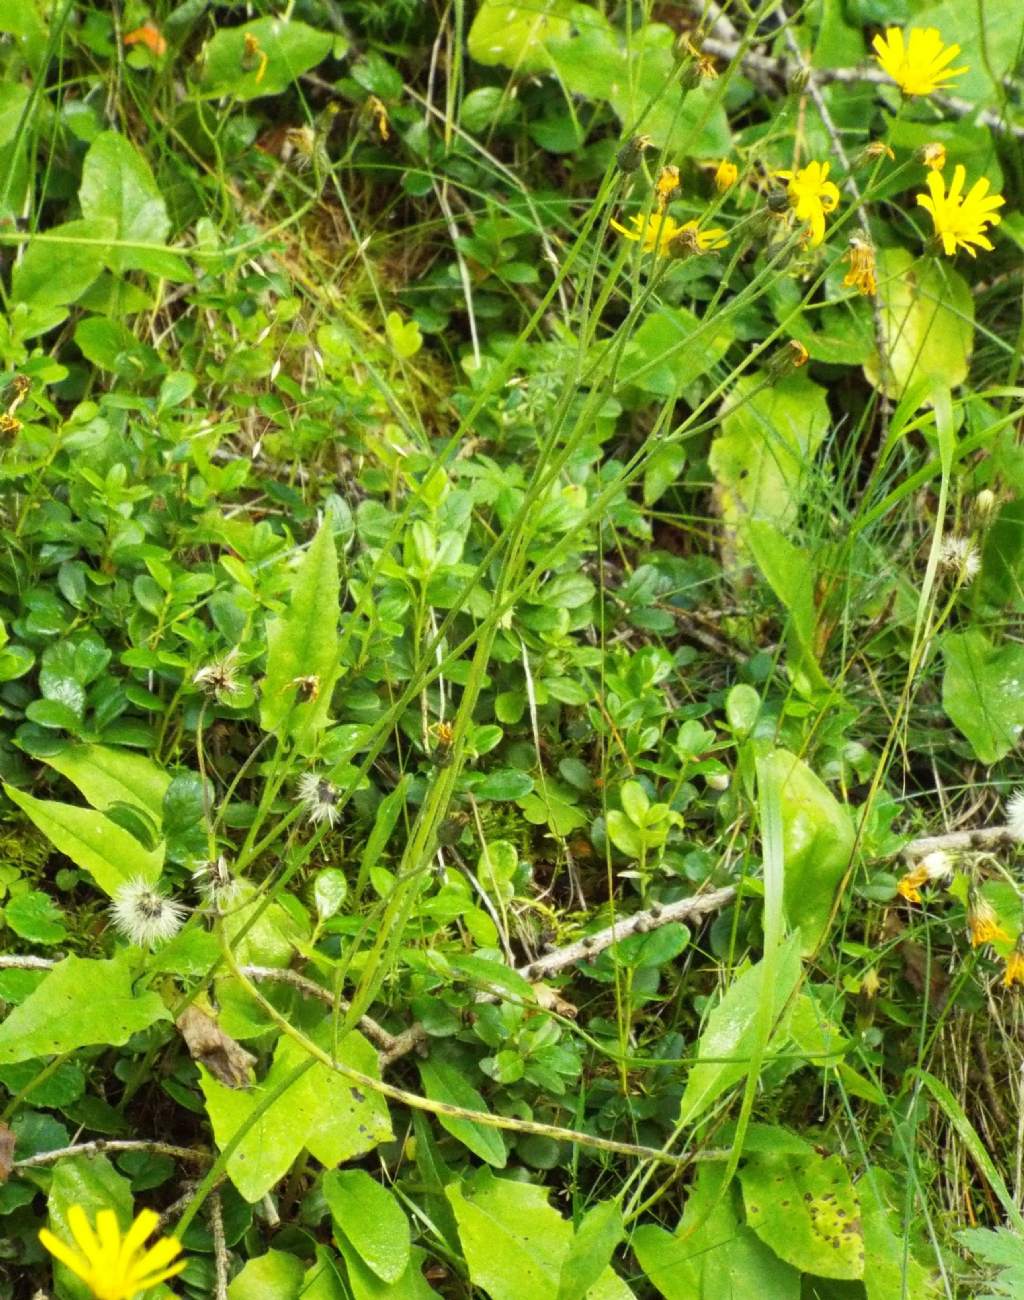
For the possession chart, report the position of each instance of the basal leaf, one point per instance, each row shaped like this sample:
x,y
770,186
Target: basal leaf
x,y
110,855
983,692
369,1217
302,650
106,775
80,1003
443,1082
278,53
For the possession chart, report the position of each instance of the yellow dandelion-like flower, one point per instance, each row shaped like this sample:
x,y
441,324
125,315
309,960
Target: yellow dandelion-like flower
x,y
726,175
655,232
861,276
115,1267
1014,973
983,923
919,65
933,155
960,219
690,239
811,196
666,185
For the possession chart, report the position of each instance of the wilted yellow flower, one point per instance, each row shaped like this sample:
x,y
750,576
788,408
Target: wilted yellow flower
x,y
933,155
811,195
726,175
920,65
960,219
115,1267
878,149
705,64
909,886
861,276
1014,973
666,185
983,923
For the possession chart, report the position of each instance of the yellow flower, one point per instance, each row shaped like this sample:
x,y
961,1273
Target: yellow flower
x,y
920,65
983,923
1014,973
657,232
667,184
960,219
115,1267
726,175
861,276
909,886
933,156
811,195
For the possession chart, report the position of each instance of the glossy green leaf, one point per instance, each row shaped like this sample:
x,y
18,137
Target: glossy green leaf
x,y
369,1217
515,1243
321,1112
34,916
729,1036
276,1273
78,1004
106,776
983,692
110,855
302,650
366,1285
513,34
509,783
818,840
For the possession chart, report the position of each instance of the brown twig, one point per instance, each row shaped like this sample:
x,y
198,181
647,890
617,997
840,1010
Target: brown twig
x,y
220,1250
102,1145
984,839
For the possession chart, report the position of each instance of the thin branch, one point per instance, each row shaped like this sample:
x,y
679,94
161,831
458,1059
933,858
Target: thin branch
x,y
14,962
220,1250
374,1031
986,839
101,1145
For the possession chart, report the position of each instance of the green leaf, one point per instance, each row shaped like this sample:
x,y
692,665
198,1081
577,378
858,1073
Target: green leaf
x,y
769,438
110,855
283,51
635,802
515,1243
663,469
730,1033
890,1269
624,834
404,336
981,692
507,784
590,1250
712,1255
927,313
35,917
321,1112
369,1217
443,1082
93,1183
47,295
118,188
79,1003
275,1273
806,1209
112,346
513,34
366,1285
330,889
817,839
670,350
303,644
789,571
106,776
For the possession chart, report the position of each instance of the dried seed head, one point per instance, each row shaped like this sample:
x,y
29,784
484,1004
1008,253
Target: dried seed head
x,y
319,798
144,915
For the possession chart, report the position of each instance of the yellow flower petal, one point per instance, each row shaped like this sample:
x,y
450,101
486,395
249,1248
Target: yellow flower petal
x,y
68,1257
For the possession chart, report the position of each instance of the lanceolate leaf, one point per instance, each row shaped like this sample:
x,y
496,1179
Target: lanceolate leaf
x,y
302,650
110,855
106,776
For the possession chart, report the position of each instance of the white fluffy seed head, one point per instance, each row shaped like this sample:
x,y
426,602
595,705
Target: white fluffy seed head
x,y
937,865
1015,814
215,881
144,915
960,556
319,798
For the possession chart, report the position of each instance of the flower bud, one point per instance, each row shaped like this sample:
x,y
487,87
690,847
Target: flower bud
x,y
933,155
786,359
631,155
726,175
985,505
